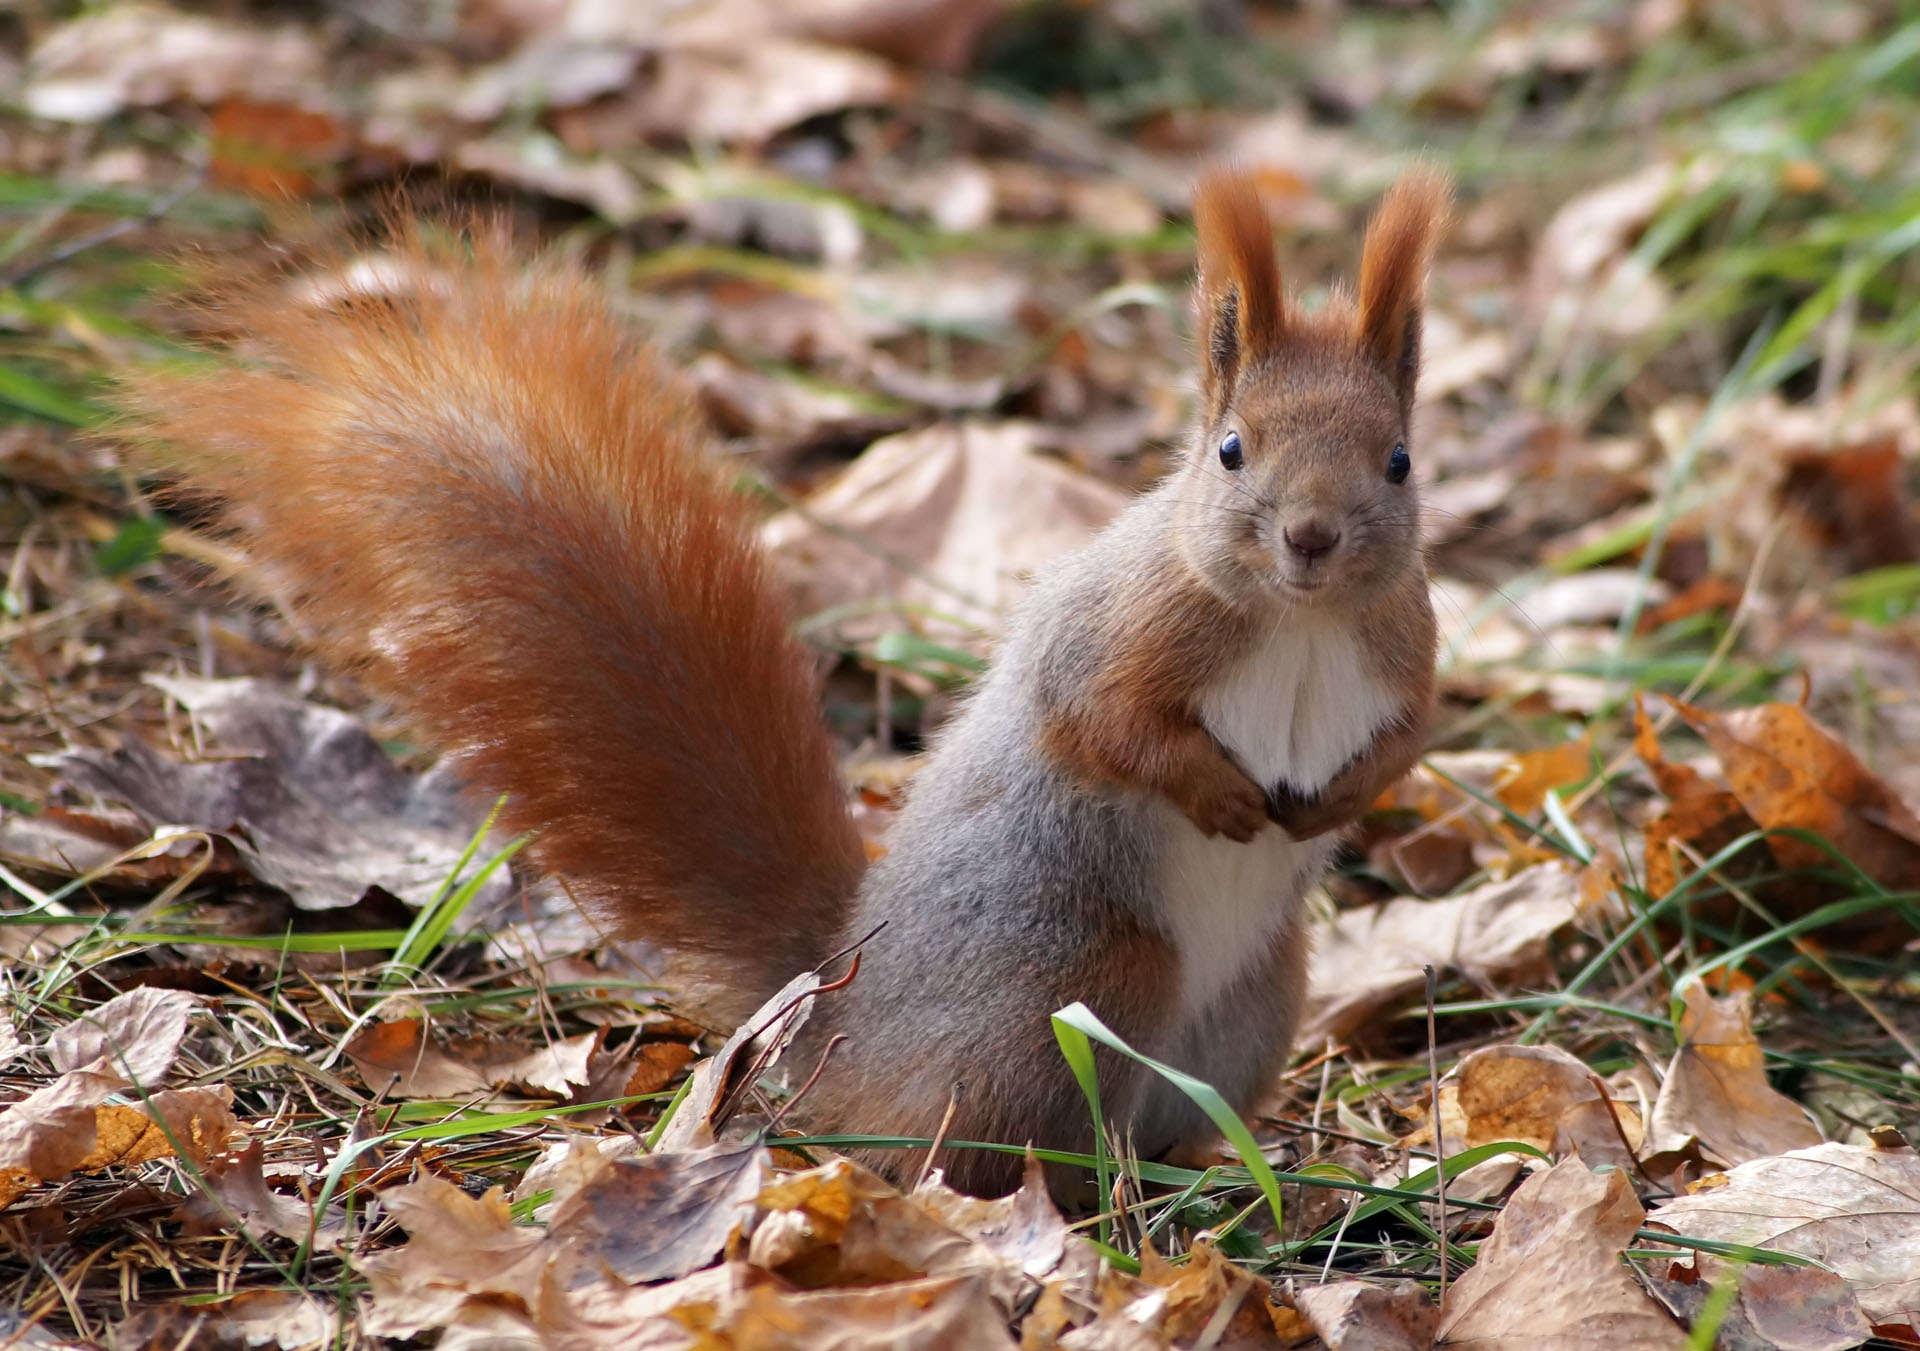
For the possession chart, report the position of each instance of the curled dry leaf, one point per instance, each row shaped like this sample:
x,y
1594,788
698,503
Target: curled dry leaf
x,y
136,1034
755,1046
1362,1316
1790,772
1024,1230
1716,1093
1550,1277
1369,960
1854,1210
841,1225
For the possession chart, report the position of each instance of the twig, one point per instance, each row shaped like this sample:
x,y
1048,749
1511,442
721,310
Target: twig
x,y
1439,1152
773,1123
940,1136
1619,1128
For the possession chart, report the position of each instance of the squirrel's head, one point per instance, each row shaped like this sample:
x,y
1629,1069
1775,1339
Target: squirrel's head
x,y
1299,484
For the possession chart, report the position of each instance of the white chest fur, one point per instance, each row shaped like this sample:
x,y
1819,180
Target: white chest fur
x,y
1294,712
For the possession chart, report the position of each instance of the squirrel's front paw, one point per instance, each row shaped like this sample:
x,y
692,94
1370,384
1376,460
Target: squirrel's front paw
x,y
1224,801
1305,817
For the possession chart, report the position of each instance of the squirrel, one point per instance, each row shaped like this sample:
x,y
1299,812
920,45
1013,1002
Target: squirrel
x,y
475,489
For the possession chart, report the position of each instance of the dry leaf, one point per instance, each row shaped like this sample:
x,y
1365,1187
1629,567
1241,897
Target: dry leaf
x,y
195,1123
1533,774
140,55
136,1034
458,1248
658,1216
1363,1316
1540,1095
1550,1277
251,1318
310,800
1852,1209
942,1313
971,509
1023,1230
1788,771
46,1134
1371,959
401,1058
840,1225
236,1193
1699,814
1776,1309
1716,1091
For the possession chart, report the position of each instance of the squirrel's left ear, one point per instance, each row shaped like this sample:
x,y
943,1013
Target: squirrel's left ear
x,y
1393,275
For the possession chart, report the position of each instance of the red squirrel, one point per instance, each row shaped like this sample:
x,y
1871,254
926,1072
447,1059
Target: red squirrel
x,y
483,495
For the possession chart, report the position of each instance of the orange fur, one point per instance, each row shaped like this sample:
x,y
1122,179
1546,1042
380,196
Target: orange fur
x,y
455,477
1393,272
1240,298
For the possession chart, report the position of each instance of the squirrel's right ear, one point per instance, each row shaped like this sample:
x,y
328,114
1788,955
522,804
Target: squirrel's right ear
x,y
1393,275
1242,313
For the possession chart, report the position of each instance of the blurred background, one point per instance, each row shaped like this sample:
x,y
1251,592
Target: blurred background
x,y
926,263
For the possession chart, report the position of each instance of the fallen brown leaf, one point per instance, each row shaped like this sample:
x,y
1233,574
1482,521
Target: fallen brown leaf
x,y
458,1248
307,797
251,1318
403,1059
1789,772
1716,1093
1854,1210
1776,1308
1533,774
236,1192
1369,960
1541,1096
1363,1316
136,1034
48,1133
193,1123
657,1216
139,55
939,1313
1550,1277
967,510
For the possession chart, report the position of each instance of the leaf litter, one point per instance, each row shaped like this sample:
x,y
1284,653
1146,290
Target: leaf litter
x,y
943,323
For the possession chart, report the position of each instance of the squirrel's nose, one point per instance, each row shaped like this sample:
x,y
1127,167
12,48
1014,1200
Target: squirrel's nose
x,y
1312,540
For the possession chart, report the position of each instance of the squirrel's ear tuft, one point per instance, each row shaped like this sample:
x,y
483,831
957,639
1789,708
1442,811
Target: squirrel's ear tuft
x,y
1393,275
1242,312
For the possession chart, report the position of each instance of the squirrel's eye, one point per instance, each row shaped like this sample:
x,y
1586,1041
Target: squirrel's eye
x,y
1230,453
1399,464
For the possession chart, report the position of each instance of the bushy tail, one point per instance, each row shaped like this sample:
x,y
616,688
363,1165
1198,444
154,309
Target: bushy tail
x,y
486,499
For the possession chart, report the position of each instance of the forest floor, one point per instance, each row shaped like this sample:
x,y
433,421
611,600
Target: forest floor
x,y
290,1055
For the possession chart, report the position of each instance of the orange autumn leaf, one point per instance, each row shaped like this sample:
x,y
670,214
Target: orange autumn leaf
x,y
1698,814
1790,773
1531,775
